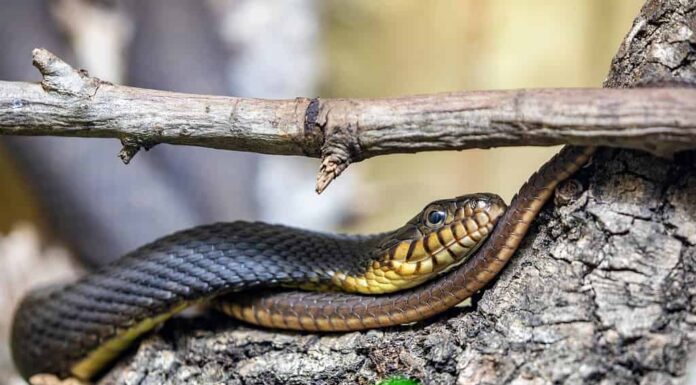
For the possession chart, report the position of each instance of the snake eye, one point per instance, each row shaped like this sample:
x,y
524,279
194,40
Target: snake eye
x,y
435,218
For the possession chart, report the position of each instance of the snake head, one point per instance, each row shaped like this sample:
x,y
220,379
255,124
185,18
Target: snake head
x,y
443,235
482,208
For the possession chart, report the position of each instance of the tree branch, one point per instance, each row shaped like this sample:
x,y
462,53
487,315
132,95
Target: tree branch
x,y
69,102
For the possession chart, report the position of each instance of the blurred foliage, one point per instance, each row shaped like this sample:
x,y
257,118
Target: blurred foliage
x,y
378,49
23,206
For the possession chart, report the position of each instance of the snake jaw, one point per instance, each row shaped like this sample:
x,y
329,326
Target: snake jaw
x,y
420,251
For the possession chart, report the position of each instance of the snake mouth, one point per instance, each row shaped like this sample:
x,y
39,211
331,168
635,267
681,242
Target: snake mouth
x,y
474,219
470,219
491,204
420,251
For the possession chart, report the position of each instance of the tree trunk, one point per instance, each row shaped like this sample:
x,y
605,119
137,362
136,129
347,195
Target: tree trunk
x,y
602,289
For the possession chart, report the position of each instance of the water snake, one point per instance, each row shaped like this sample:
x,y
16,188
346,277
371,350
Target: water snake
x,y
78,329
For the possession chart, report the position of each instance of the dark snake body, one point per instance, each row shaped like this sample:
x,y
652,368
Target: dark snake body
x,y
53,329
78,329
340,311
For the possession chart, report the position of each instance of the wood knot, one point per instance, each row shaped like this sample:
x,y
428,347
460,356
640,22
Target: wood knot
x,y
567,192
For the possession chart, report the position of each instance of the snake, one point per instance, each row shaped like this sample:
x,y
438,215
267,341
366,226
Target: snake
x,y
282,277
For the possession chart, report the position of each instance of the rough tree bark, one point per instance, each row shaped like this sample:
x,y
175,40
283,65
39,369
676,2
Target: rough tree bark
x,y
601,291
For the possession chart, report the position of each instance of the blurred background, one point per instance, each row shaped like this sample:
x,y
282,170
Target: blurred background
x,y
69,204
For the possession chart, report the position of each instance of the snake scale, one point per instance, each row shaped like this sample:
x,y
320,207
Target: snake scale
x,y
80,328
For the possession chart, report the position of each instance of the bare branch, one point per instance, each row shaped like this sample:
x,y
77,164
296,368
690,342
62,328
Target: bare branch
x,y
342,131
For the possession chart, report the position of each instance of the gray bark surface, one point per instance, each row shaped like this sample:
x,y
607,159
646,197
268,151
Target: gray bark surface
x,y
602,290
69,102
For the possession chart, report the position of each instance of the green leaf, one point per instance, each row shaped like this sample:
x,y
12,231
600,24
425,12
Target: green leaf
x,y
398,381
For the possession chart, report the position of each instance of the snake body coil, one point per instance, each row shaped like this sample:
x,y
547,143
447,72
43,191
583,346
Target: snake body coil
x,y
80,328
340,311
